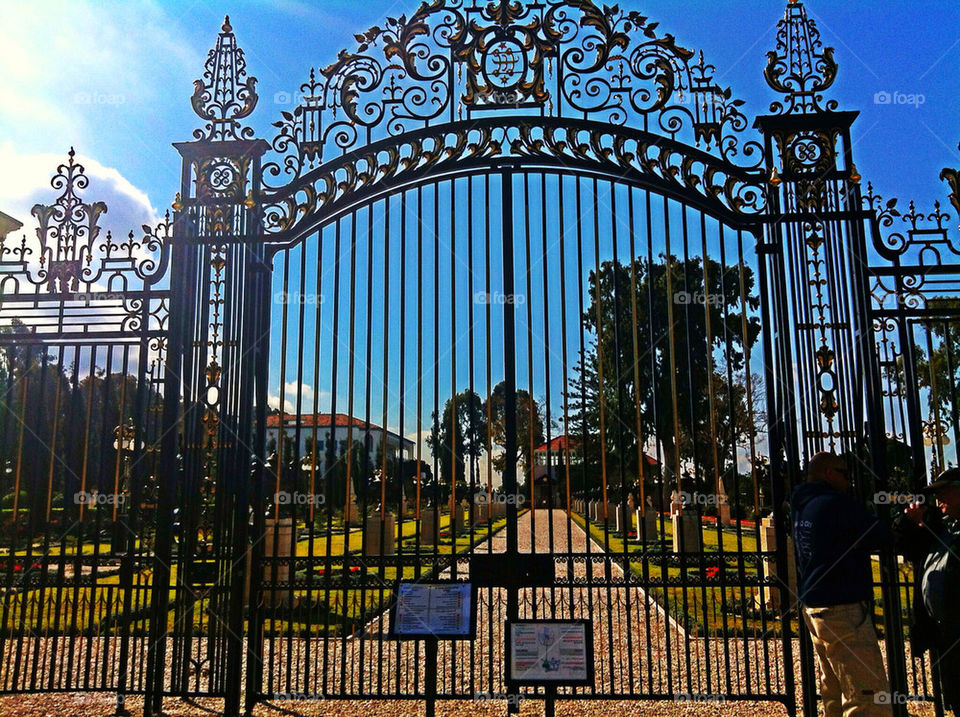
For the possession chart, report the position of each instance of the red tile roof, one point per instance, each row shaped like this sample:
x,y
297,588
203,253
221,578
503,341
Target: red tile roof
x,y
320,420
560,443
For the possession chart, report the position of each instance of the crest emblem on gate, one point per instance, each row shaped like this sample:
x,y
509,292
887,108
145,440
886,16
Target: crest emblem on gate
x,y
504,64
505,52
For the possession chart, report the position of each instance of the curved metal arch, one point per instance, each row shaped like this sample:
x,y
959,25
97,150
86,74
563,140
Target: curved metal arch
x,y
457,61
712,185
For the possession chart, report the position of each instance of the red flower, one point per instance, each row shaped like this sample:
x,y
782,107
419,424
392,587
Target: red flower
x,y
354,569
713,572
17,568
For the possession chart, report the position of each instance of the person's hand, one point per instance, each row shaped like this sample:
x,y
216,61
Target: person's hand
x,y
914,513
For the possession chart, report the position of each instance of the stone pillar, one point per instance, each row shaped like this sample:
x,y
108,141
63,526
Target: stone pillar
x,y
676,504
278,542
650,522
459,520
427,522
723,510
769,597
351,513
621,520
687,524
374,529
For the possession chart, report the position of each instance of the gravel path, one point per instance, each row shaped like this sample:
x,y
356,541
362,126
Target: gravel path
x,y
637,649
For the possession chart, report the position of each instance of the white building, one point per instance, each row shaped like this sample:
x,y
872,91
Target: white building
x,y
326,427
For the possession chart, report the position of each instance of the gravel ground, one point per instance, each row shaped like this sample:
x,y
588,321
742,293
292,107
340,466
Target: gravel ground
x,y
628,628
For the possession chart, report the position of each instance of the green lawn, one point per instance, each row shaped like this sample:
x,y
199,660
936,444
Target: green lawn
x,y
342,600
708,604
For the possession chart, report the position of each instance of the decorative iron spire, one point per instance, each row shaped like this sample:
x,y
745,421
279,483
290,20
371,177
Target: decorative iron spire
x,y
800,68
225,95
68,228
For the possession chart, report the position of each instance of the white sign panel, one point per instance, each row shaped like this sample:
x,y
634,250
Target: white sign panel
x,y
550,651
440,609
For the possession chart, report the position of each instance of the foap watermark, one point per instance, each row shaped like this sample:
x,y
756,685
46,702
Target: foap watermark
x,y
884,497
907,99
286,297
98,98
91,297
693,697
689,298
699,99
289,98
296,498
497,298
893,698
499,499
96,498
704,499
481,697
499,97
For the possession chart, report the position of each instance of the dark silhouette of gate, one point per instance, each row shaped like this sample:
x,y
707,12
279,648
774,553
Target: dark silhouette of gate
x,y
512,298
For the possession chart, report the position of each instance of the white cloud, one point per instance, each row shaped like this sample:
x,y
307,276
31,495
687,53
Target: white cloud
x,y
290,388
274,402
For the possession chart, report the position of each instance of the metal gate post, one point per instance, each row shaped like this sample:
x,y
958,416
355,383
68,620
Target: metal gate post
x,y
225,354
826,373
510,400
783,451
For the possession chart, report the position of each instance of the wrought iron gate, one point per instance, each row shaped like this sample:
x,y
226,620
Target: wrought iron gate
x,y
82,354
513,297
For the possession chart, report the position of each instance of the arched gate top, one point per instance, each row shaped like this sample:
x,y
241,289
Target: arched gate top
x,y
462,86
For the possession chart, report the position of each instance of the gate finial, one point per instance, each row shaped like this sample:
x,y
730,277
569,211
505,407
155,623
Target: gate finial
x,y
800,67
225,94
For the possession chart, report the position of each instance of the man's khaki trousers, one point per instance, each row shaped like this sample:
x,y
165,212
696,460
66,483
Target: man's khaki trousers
x,y
853,681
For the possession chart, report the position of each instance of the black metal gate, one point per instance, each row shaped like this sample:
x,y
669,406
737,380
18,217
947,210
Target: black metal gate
x,y
513,298
82,353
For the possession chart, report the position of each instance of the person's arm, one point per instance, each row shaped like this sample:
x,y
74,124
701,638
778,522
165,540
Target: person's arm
x,y
876,533
912,539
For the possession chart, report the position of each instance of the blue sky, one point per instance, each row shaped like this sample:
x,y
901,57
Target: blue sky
x,y
114,80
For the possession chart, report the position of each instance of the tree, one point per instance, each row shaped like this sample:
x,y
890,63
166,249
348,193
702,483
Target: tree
x,y
529,422
937,372
69,421
459,434
673,362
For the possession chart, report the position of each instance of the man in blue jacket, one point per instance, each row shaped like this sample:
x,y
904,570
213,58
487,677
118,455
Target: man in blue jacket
x,y
835,536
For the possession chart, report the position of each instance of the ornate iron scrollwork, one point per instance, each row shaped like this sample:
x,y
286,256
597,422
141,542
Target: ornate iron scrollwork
x,y
725,189
225,95
419,76
68,259
67,230
800,68
926,239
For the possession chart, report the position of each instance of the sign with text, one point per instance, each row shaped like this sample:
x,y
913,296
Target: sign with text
x,y
441,610
550,652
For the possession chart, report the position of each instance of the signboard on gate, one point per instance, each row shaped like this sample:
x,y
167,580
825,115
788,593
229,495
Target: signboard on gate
x,y
434,610
550,652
